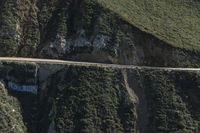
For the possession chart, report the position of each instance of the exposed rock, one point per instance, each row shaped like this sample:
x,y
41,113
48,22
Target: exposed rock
x,y
62,46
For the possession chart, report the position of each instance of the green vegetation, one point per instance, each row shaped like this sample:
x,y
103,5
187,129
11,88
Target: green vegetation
x,y
172,101
8,32
11,119
21,72
17,110
139,32
19,31
173,21
91,100
25,66
53,18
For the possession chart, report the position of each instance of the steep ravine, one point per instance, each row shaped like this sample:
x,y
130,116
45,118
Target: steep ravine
x,y
96,99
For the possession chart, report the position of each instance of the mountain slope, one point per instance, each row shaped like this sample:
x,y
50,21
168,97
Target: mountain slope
x,y
176,22
94,99
11,119
153,33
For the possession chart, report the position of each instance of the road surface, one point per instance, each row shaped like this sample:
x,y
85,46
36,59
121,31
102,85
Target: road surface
x,y
52,61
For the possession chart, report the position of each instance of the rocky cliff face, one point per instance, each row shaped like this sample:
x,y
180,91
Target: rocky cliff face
x,y
82,30
94,99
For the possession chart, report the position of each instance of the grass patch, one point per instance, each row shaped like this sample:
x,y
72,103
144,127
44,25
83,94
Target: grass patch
x,y
175,22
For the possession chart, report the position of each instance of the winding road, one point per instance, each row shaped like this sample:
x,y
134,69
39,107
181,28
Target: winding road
x,y
52,61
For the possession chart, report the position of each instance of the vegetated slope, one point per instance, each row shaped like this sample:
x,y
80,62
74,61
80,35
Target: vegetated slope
x,y
18,27
18,112
95,99
89,100
11,119
172,99
85,30
74,99
173,21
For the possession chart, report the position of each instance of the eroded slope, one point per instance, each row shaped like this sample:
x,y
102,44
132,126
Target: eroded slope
x,y
88,31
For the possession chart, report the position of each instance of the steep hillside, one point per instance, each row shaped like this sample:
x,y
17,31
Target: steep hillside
x,y
175,22
153,33
89,100
143,95
93,99
72,99
11,119
172,97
